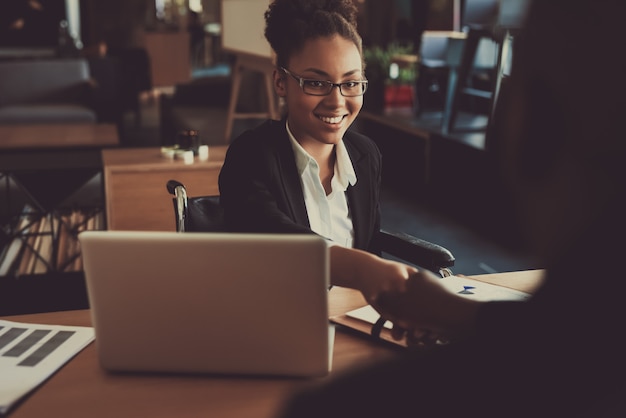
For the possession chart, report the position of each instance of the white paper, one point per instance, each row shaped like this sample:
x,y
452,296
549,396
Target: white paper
x,y
481,291
30,353
367,314
469,288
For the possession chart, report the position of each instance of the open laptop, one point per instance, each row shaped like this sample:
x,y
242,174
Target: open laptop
x,y
251,304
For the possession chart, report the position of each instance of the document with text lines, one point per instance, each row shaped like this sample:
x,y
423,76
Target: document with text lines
x,y
30,353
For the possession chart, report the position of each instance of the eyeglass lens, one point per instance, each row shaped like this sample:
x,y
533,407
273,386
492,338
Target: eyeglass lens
x,y
323,88
318,87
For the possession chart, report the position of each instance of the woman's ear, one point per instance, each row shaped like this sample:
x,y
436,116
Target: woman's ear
x,y
280,83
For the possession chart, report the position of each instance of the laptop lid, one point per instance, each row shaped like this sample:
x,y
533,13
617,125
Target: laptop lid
x,y
254,304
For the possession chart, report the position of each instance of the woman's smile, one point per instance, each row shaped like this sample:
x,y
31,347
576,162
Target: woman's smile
x,y
331,120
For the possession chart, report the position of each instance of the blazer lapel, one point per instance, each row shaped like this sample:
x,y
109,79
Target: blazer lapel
x,y
290,180
359,197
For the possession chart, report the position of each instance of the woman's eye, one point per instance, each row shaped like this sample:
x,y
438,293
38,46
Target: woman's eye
x,y
316,84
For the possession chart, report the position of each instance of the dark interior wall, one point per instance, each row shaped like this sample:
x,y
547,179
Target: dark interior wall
x,y
32,24
441,15
119,23
35,23
376,22
384,22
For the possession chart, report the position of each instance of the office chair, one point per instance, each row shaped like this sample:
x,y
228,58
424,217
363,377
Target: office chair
x,y
451,62
205,214
439,56
490,26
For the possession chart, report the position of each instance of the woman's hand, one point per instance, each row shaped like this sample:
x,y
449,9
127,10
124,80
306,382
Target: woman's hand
x,y
379,276
426,312
421,309
370,274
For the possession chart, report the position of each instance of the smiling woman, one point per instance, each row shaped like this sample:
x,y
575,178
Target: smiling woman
x,y
319,76
308,173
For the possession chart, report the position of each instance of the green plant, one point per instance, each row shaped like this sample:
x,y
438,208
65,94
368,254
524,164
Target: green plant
x,y
378,61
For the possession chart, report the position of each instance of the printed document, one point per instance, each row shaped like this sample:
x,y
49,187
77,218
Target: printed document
x,y
31,353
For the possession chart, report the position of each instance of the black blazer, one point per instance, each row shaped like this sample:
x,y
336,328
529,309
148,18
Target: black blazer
x,y
260,188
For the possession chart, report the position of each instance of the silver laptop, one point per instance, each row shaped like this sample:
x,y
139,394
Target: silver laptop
x,y
251,304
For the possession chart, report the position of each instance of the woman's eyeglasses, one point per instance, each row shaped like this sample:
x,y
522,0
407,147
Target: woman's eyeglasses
x,y
323,88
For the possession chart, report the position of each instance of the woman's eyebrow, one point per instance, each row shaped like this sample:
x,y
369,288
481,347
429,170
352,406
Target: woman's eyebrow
x,y
325,74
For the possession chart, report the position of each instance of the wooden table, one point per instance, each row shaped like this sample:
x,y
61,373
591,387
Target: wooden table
x,y
54,146
135,179
61,135
82,389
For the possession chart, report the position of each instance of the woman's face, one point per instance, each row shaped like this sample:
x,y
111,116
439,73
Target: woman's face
x,y
321,119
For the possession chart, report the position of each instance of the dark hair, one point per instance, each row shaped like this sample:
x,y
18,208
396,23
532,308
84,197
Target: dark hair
x,y
290,23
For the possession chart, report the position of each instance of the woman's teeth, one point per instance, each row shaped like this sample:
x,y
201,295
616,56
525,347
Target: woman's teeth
x,y
335,119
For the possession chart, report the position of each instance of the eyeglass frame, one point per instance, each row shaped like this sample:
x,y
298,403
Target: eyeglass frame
x,y
302,80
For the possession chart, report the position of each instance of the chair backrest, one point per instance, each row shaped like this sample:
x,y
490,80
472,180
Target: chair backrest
x,y
205,214
434,45
512,13
480,12
195,214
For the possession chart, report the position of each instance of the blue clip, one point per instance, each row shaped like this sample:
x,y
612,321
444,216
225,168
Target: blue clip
x,y
466,290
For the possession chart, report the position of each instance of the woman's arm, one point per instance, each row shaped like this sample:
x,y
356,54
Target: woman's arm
x,y
367,272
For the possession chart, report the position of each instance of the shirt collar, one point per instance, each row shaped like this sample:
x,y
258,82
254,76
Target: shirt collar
x,y
344,174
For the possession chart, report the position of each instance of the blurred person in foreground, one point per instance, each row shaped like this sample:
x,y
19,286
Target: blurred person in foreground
x,y
561,149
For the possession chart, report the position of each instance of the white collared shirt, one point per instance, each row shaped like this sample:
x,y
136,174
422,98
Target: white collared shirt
x,y
329,216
